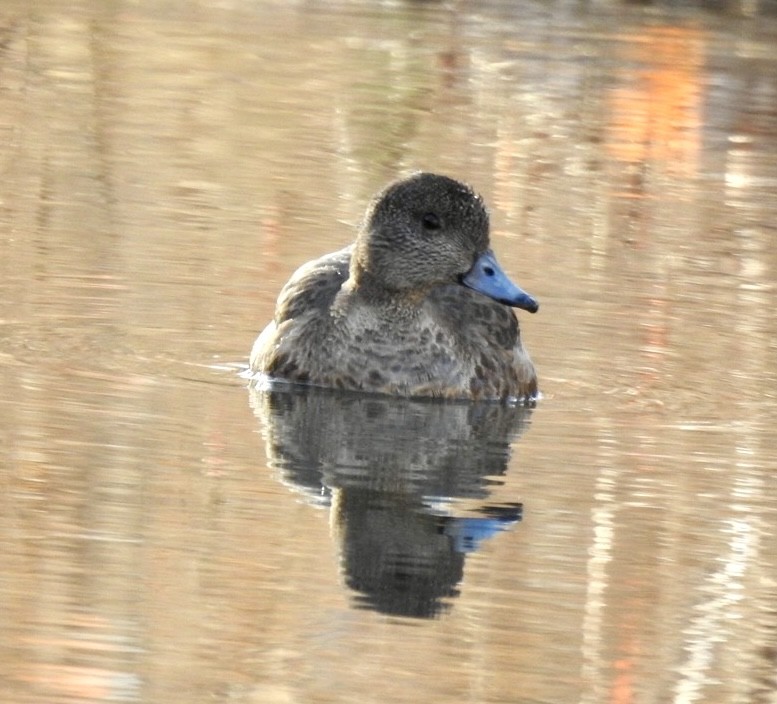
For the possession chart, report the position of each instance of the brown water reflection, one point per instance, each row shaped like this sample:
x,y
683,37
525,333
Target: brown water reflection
x,y
167,165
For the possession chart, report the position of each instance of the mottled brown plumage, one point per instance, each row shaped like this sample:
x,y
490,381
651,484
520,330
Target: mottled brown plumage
x,y
401,311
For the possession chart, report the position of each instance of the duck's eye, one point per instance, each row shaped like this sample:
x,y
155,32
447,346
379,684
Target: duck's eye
x,y
430,221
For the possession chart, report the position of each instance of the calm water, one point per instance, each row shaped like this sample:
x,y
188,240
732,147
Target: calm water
x,y
167,536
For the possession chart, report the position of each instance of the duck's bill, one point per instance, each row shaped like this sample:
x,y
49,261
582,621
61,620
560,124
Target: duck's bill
x,y
487,277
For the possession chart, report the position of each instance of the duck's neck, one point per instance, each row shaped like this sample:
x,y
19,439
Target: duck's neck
x,y
369,289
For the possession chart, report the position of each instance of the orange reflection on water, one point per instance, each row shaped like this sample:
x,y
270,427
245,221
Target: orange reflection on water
x,y
655,114
78,682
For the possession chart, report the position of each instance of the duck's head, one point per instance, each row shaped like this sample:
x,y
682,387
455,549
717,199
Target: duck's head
x,y
429,230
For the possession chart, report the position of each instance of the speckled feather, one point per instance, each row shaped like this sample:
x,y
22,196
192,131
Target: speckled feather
x,y
338,324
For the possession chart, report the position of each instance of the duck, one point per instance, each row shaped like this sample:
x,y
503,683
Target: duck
x,y
418,306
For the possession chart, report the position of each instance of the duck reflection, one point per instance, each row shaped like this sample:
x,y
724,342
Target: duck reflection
x,y
391,470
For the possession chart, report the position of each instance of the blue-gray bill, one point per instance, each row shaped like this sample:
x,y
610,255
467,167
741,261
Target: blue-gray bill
x,y
487,277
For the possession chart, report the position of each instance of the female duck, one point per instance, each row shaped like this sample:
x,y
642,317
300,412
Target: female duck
x,y
417,306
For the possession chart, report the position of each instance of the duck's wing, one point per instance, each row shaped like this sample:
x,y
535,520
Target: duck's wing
x,y
289,344
312,288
